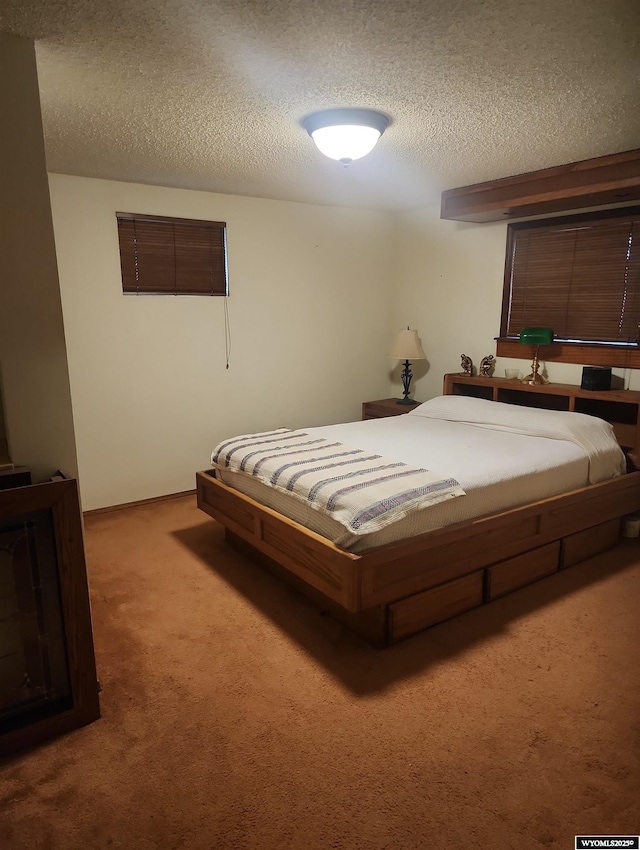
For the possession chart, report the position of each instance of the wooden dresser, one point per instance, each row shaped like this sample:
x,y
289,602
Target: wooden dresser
x,y
384,407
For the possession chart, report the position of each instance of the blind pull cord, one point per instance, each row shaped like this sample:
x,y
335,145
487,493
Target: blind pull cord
x,y
227,331
135,257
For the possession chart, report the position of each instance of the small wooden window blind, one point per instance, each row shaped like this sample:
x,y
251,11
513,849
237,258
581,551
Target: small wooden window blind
x,y
172,256
579,275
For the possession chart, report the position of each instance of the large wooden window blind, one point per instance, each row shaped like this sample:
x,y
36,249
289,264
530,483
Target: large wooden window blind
x,y
172,256
579,275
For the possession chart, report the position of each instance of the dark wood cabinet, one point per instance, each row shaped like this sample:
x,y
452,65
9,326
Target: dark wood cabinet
x,y
48,682
14,476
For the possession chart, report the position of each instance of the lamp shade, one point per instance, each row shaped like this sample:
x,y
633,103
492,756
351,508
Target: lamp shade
x,y
345,134
407,346
536,336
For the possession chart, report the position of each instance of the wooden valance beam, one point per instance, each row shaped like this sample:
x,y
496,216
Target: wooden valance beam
x,y
605,181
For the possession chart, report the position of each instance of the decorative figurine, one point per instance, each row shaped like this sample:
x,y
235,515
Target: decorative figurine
x,y
467,365
487,365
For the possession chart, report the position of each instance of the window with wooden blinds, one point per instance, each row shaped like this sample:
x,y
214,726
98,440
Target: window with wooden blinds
x,y
579,275
172,256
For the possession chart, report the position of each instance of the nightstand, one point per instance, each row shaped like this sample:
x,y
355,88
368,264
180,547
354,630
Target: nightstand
x,y
384,407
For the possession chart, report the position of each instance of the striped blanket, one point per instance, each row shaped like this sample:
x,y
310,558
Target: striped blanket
x,y
361,490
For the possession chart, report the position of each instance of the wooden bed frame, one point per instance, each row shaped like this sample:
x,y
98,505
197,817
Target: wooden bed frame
x,y
389,593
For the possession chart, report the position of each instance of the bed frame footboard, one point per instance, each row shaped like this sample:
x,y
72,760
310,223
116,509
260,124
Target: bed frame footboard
x,y
307,555
389,593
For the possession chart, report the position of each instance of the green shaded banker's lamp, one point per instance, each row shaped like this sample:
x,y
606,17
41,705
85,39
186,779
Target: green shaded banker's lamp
x,y
537,337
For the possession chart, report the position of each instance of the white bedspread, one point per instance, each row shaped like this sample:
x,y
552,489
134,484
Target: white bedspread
x,y
497,468
594,435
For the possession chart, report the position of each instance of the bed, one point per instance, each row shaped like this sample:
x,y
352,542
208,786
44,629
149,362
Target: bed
x,y
490,497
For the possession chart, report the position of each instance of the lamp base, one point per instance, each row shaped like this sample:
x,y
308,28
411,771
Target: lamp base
x,y
406,376
535,380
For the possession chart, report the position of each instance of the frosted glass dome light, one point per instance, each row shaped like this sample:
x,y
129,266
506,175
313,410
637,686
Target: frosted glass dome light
x,y
346,142
345,134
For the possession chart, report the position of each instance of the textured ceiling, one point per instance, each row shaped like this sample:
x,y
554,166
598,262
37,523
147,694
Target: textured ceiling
x,y
209,95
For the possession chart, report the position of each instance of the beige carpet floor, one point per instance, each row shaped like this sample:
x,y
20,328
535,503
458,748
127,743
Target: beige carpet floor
x,y
234,715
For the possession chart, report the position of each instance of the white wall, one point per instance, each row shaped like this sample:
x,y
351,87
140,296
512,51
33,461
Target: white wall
x,y
311,295
33,357
317,294
450,278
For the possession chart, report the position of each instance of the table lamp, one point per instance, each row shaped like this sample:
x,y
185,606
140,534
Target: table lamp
x,y
537,337
407,347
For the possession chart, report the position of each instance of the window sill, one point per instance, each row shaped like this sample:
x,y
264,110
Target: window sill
x,y
573,352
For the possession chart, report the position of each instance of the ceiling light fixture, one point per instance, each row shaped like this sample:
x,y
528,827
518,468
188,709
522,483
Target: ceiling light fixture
x,y
345,134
